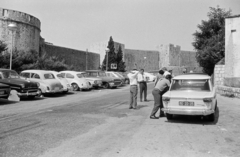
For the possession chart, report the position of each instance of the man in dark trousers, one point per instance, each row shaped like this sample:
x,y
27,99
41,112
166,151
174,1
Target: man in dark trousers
x,y
161,87
142,80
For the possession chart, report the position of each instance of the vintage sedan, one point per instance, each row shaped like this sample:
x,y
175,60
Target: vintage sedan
x,y
4,91
115,75
191,94
48,84
66,85
96,82
108,82
77,80
24,88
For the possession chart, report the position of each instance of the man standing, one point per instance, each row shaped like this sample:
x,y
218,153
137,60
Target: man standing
x,y
142,85
133,88
161,87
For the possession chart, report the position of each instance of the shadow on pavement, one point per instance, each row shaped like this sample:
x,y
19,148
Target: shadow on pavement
x,y
6,102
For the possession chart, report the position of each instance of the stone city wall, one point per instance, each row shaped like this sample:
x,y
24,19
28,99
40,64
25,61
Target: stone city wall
x,y
27,33
188,58
81,60
148,60
219,74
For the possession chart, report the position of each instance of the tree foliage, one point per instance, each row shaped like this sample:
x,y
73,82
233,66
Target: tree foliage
x,y
3,47
209,40
120,64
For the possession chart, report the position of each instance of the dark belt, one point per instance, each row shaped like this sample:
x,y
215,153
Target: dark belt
x,y
133,85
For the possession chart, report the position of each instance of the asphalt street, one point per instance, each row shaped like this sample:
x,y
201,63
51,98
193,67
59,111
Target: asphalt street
x,y
99,123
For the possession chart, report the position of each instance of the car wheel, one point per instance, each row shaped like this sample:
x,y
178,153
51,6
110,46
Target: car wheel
x,y
75,87
212,116
106,85
169,116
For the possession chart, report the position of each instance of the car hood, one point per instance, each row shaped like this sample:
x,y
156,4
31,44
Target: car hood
x,y
188,94
4,85
18,82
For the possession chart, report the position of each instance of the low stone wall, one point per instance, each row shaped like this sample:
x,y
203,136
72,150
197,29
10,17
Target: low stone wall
x,y
219,74
228,91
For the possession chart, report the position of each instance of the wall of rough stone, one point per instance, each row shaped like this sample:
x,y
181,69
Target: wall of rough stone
x,y
145,59
232,51
163,55
174,55
188,58
100,47
81,60
219,74
27,34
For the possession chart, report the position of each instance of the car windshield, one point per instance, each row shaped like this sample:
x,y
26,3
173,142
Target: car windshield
x,y
119,75
102,74
79,75
49,76
194,85
9,74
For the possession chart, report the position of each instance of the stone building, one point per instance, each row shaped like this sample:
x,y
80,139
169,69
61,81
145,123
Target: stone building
x,y
232,51
27,34
27,37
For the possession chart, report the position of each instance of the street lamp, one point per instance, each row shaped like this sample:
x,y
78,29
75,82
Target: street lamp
x,y
144,62
11,27
107,50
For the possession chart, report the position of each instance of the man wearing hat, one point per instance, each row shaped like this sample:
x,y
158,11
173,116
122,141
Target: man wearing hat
x,y
133,88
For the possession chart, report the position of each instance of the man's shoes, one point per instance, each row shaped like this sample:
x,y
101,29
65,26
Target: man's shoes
x,y
130,107
161,115
145,100
153,117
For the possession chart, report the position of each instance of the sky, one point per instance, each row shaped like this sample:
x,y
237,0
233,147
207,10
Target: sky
x,y
139,24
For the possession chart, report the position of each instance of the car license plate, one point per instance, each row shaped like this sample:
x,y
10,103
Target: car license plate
x,y
186,103
2,92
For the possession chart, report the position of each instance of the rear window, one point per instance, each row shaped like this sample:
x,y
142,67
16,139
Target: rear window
x,y
49,76
60,75
194,85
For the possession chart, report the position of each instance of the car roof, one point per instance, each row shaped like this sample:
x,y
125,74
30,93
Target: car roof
x,y
94,71
33,70
197,76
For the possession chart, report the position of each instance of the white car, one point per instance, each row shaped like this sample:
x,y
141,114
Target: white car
x,y
66,86
150,77
191,94
48,84
95,82
76,80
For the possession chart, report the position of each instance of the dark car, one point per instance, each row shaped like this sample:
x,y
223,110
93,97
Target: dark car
x,y
107,82
4,91
23,87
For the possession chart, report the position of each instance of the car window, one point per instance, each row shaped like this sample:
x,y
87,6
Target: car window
x,y
63,74
85,74
36,76
94,74
69,76
79,75
49,76
195,85
102,74
9,74
26,75
59,75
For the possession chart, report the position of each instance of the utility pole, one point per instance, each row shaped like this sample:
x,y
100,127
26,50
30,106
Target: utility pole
x,y
107,50
86,59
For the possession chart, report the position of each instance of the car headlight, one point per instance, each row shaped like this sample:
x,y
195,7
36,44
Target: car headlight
x,y
22,85
38,84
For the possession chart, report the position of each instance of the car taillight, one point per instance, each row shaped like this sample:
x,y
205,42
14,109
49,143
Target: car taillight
x,y
166,99
207,99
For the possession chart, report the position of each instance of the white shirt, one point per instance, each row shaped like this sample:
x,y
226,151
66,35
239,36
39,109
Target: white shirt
x,y
133,78
142,77
166,73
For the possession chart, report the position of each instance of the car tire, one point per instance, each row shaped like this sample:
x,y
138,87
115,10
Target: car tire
x,y
96,87
127,82
169,116
107,86
75,87
212,116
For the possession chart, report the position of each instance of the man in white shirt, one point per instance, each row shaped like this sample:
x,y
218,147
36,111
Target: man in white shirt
x,y
133,88
142,80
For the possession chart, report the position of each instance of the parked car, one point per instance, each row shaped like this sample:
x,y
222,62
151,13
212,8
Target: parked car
x,y
124,74
96,82
24,88
150,77
115,75
66,85
191,94
76,80
48,84
4,91
108,82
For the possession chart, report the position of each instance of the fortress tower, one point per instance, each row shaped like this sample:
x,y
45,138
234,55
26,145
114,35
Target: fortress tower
x,y
27,34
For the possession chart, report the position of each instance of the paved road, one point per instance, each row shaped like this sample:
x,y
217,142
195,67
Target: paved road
x,y
99,123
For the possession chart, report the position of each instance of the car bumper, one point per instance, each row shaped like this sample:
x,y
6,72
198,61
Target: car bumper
x,y
54,91
28,94
204,112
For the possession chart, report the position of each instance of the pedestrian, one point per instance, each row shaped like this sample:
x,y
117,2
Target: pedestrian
x,y
133,88
159,76
166,72
142,80
161,87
